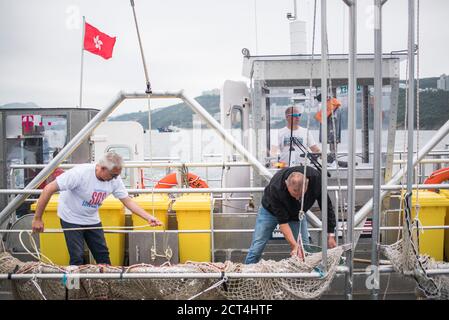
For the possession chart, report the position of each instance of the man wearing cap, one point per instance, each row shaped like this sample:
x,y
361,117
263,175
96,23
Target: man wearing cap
x,y
293,116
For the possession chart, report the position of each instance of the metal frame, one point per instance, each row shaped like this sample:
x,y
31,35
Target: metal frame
x,y
103,114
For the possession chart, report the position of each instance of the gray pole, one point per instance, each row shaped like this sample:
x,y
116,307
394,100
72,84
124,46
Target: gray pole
x,y
377,158
411,114
352,84
365,128
324,209
148,90
82,61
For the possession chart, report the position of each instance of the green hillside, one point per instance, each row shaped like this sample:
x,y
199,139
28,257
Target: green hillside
x,y
433,109
179,115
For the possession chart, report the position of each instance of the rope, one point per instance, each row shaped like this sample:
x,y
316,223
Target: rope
x,y
34,282
340,200
403,155
223,280
39,256
416,254
306,158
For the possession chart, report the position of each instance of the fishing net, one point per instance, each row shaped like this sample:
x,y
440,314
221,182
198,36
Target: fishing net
x,y
177,288
406,261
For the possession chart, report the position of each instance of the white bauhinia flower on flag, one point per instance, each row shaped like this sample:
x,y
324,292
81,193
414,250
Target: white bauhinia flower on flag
x,y
98,42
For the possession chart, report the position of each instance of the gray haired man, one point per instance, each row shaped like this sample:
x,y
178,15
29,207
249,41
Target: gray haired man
x,y
83,189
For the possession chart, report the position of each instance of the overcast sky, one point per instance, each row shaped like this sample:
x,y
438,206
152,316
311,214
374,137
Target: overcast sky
x,y
192,45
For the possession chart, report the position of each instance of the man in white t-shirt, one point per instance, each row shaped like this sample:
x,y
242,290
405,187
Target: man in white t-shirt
x,y
293,116
82,191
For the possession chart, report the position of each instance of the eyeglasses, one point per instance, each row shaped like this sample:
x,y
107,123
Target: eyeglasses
x,y
295,115
113,175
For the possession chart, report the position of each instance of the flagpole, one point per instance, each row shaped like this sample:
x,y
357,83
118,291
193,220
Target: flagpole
x,y
82,63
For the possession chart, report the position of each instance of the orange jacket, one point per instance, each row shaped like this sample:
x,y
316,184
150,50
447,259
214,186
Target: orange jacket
x,y
332,105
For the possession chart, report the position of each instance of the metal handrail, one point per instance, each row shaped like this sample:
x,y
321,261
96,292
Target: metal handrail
x,y
137,164
385,187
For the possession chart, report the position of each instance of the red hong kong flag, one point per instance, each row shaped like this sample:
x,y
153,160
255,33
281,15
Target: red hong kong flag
x,y
98,42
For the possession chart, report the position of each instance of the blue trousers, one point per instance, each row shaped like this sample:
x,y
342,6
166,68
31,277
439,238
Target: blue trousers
x,y
265,225
95,241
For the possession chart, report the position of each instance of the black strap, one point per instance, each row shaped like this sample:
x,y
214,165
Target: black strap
x,y
13,272
121,273
225,286
291,141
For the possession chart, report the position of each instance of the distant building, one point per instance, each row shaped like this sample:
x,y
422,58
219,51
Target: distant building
x,y
443,82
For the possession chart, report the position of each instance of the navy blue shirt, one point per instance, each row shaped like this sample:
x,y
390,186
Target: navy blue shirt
x,y
278,201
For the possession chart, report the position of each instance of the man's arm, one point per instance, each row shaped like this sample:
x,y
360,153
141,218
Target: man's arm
x,y
135,208
37,224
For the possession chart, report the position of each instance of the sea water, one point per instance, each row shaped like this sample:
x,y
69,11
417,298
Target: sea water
x,y
205,145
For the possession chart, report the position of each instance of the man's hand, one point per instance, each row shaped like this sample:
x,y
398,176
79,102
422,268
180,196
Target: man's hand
x,y
37,225
297,252
331,243
153,221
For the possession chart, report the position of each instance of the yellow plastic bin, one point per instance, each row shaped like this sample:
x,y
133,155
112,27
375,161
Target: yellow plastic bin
x,y
112,214
432,212
53,245
149,202
446,231
193,213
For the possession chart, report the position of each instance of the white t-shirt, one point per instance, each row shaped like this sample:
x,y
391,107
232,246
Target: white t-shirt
x,y
82,194
284,144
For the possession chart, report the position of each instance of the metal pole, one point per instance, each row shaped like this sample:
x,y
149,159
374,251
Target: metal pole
x,y
192,275
411,114
137,164
324,51
352,99
82,62
411,93
148,90
377,137
365,128
387,187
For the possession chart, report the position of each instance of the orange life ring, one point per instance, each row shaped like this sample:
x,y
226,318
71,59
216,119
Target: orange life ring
x,y
438,176
170,181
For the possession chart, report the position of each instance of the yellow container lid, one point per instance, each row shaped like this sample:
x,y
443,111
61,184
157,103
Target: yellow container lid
x,y
52,204
155,201
193,202
429,199
111,203
444,193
